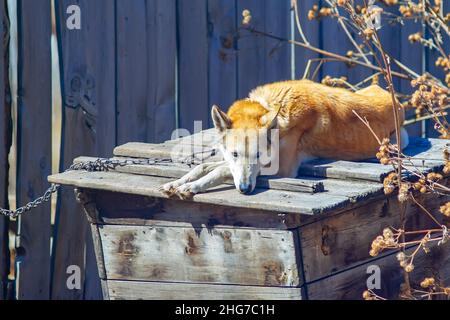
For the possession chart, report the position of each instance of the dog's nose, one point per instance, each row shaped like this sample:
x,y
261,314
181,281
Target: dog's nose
x,y
245,188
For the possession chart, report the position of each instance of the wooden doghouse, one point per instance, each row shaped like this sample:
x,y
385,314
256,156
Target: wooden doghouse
x,y
305,238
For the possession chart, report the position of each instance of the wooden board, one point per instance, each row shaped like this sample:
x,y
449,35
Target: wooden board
x,y
136,290
88,54
192,68
128,209
223,60
426,155
310,185
162,35
272,200
260,59
33,148
5,143
311,30
342,241
352,283
133,118
179,254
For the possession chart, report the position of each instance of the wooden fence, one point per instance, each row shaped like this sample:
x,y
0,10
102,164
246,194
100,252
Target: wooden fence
x,y
135,71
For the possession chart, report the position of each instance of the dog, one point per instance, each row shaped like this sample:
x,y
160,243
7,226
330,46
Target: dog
x,y
312,121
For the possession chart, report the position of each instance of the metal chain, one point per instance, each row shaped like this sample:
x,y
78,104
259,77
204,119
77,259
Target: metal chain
x,y
102,164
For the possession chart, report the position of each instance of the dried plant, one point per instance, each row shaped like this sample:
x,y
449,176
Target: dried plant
x,y
430,99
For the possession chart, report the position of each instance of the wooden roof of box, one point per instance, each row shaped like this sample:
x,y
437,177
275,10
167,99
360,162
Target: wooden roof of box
x,y
322,185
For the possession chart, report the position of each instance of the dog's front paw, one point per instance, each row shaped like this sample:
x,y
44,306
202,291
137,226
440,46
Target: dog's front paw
x,y
185,191
169,188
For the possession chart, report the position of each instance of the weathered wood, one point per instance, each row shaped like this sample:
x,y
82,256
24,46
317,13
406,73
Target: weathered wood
x,y
426,155
161,20
87,69
222,71
341,241
136,290
345,170
262,60
412,54
5,143
133,118
192,63
178,170
127,209
178,254
275,200
352,283
311,30
33,148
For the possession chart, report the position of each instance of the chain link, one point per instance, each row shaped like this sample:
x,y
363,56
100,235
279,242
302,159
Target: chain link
x,y
102,164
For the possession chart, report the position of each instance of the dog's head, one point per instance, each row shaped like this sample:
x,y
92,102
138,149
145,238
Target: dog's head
x,y
245,145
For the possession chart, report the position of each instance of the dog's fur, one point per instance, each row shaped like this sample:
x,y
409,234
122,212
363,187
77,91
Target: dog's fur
x,y
313,121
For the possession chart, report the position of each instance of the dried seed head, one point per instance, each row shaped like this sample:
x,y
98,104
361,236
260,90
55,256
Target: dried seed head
x,y
409,268
427,282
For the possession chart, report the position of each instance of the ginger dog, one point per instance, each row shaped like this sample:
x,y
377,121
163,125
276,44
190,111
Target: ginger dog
x,y
313,121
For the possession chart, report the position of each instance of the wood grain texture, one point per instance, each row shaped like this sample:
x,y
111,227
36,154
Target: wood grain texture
x,y
272,200
222,53
350,285
309,185
192,33
179,254
5,143
126,209
133,120
162,35
86,133
135,290
312,33
260,59
341,241
33,148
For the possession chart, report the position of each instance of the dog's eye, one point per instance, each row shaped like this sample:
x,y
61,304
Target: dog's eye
x,y
235,154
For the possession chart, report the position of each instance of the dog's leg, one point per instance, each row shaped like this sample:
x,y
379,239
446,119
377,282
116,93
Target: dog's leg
x,y
212,179
196,173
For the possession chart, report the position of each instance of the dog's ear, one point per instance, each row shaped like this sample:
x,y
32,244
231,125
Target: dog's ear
x,y
221,121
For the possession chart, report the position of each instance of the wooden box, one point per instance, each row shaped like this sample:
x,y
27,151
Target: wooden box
x,y
305,238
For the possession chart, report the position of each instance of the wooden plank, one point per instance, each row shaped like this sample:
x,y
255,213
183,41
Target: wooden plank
x,y
411,54
274,200
350,285
222,67
161,20
83,133
5,143
334,39
342,241
260,59
178,170
345,170
178,254
134,290
277,55
311,29
133,120
33,148
128,209
431,56
192,63
426,153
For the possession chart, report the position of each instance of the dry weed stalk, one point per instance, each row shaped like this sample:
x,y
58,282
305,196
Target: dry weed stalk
x,y
430,100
